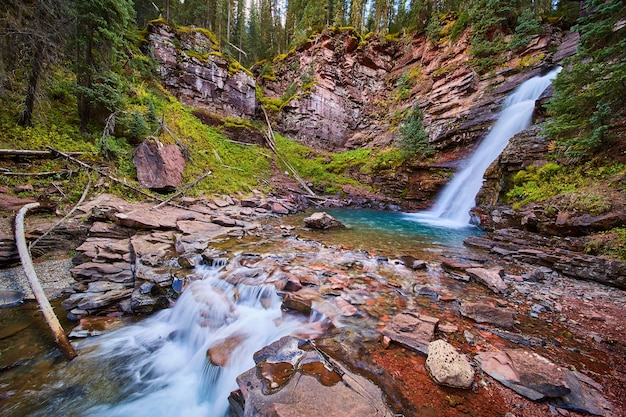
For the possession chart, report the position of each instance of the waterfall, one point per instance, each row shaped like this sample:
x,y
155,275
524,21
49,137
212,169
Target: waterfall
x,y
455,201
184,361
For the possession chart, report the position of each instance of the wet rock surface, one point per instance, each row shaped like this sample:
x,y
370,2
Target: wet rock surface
x,y
321,220
292,378
366,298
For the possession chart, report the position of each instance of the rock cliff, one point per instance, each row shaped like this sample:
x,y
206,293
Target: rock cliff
x,y
341,91
192,68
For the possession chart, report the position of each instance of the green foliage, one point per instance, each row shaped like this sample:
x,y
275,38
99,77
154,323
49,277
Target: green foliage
x,y
528,25
413,136
611,243
590,92
581,189
406,82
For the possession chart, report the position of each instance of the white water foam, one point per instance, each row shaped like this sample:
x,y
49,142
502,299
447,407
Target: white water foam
x,y
452,207
162,362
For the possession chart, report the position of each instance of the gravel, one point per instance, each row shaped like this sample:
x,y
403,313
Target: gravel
x,y
54,277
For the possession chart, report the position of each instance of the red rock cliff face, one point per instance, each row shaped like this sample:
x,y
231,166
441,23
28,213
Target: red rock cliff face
x,y
358,89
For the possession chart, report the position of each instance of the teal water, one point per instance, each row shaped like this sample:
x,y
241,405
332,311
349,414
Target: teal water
x,y
390,233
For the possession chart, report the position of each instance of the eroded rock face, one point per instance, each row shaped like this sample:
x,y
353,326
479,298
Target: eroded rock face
x,y
192,68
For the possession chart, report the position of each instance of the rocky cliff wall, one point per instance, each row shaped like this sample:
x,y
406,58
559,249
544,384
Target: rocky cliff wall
x,y
340,91
353,93
193,70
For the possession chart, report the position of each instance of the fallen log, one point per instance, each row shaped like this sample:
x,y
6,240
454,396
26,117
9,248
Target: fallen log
x,y
53,322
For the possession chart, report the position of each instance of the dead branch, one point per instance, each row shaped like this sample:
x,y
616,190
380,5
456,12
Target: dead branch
x,y
101,172
82,198
26,152
272,142
124,183
39,174
185,188
53,322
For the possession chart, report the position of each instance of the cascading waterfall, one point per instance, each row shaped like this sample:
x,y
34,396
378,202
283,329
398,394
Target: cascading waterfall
x,y
453,205
165,366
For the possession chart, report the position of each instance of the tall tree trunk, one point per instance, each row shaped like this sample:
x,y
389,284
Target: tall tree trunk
x,y
3,74
36,64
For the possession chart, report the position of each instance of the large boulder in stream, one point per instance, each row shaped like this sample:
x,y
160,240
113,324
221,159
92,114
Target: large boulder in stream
x,y
322,220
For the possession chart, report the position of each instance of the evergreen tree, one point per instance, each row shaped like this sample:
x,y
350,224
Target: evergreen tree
x,y
102,36
590,93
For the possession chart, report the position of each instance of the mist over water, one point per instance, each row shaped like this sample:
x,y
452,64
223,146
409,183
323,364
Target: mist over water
x,y
452,207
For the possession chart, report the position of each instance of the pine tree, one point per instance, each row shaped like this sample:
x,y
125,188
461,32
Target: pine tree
x,y
103,31
590,93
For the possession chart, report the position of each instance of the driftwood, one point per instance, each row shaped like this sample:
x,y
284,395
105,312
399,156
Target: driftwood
x,y
101,172
39,174
26,152
124,183
57,330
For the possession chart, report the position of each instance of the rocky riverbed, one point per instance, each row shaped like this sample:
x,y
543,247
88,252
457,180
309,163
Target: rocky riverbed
x,y
521,338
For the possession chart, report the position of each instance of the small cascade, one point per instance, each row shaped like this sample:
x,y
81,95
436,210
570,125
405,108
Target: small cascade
x,y
185,360
452,207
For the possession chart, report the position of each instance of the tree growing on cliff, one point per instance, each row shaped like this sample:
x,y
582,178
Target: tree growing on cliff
x,y
590,93
413,136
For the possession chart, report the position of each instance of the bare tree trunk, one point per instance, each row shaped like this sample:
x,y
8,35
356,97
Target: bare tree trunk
x,y
57,330
3,74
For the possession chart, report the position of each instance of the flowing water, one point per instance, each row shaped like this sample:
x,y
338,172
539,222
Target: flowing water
x,y
452,207
164,366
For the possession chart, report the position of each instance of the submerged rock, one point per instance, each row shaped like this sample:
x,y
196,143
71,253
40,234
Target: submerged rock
x,y
447,367
412,329
485,313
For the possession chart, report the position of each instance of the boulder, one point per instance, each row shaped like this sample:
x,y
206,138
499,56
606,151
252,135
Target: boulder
x,y
490,277
159,167
447,367
412,329
322,220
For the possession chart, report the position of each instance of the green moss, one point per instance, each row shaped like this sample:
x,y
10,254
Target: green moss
x,y
531,60
611,243
207,33
583,189
235,67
